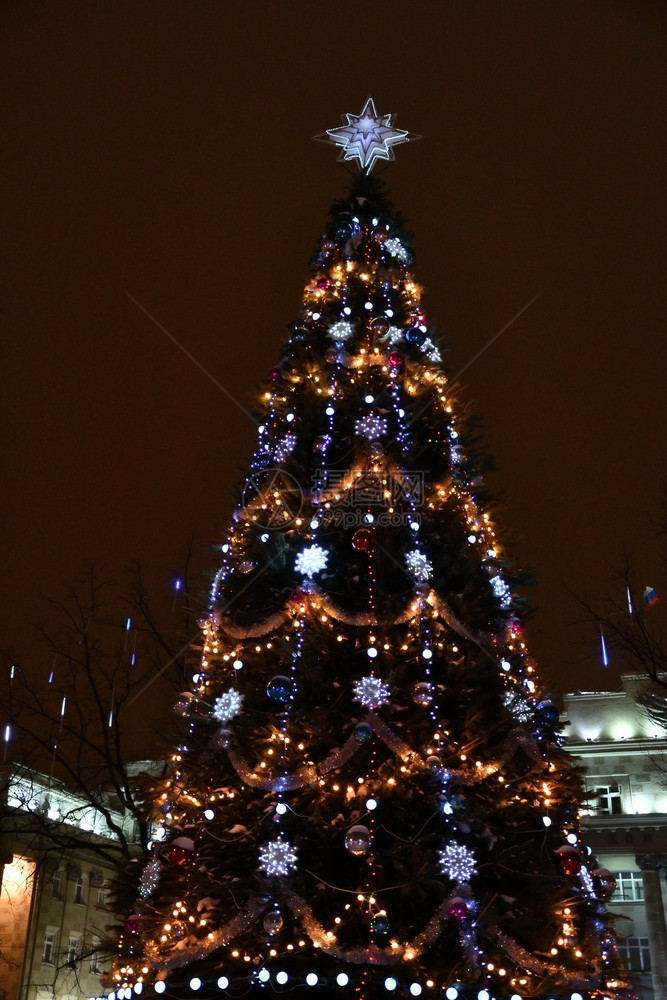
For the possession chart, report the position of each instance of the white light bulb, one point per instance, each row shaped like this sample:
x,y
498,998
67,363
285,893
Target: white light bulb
x,y
368,305
264,537
281,977
451,993
546,820
261,428
389,313
415,989
223,983
314,525
390,983
505,665
472,539
571,838
342,979
427,654
330,411
401,412
316,315
369,398
195,983
281,808
237,664
159,987
209,814
312,979
483,995
289,418
264,975
371,804
368,518
347,310
372,652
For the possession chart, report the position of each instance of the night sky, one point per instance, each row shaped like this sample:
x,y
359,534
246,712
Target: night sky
x,y
164,151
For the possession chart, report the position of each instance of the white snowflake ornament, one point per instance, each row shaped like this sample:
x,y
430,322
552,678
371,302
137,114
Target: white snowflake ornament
x,y
371,427
457,862
278,857
312,560
419,566
227,705
150,877
341,330
371,692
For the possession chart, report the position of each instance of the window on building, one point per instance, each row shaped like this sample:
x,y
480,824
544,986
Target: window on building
x,y
101,896
78,888
629,887
608,800
50,946
95,967
73,947
634,951
57,884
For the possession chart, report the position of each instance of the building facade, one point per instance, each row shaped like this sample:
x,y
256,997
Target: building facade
x,y
624,753
52,895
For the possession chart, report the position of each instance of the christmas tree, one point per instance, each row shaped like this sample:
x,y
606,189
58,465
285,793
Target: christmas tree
x,y
371,797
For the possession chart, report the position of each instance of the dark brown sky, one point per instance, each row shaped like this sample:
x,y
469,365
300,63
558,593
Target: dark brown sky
x,y
164,149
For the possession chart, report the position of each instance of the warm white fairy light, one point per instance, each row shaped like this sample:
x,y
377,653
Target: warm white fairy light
x,y
419,566
371,692
278,857
457,862
312,560
227,705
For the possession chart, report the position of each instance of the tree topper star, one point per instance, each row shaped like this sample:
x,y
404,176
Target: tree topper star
x,y
366,137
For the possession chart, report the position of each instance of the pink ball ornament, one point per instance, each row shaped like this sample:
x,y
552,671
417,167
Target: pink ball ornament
x,y
568,860
132,926
323,284
396,361
457,909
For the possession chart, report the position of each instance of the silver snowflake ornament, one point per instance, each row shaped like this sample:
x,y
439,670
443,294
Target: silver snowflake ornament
x,y
502,591
227,705
371,692
457,862
285,447
312,560
278,857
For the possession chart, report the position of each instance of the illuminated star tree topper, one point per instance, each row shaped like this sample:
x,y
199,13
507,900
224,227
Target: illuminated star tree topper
x,y
366,137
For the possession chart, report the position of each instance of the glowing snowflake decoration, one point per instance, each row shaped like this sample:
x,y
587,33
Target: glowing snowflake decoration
x,y
431,351
366,137
312,560
371,692
341,331
502,591
371,426
396,249
278,857
150,877
285,447
457,862
393,335
419,566
227,705
517,707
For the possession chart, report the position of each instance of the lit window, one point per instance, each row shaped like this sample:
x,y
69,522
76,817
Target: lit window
x,y
634,952
608,800
629,887
101,896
